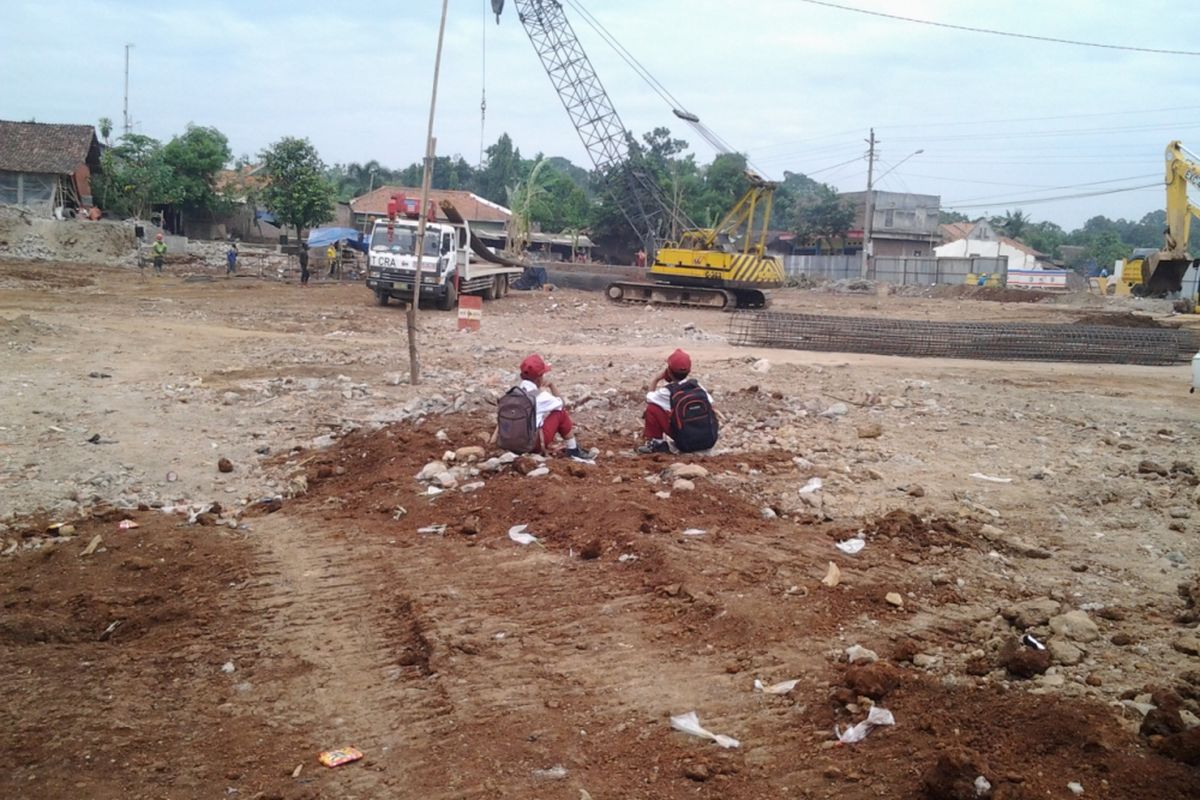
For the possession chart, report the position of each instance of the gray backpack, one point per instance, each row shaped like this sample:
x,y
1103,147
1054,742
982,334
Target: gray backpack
x,y
516,421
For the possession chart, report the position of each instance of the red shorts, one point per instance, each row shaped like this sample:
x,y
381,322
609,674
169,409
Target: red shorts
x,y
557,422
658,422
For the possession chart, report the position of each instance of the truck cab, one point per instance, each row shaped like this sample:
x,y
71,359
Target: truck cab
x,y
453,261
392,260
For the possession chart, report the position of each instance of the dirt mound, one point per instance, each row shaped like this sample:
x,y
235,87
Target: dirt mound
x,y
997,294
123,649
1120,320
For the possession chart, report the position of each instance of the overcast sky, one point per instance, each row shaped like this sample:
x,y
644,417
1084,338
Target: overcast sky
x,y
795,85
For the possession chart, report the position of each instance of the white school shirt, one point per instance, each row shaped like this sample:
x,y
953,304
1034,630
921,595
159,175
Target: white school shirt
x,y
546,402
661,397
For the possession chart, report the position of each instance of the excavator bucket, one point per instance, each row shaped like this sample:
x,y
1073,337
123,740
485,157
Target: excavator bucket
x,y
1166,277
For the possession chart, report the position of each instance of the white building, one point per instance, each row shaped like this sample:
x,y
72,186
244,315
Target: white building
x,y
966,239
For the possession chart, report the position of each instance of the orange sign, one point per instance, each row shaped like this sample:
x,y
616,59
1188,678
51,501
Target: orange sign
x,y
470,312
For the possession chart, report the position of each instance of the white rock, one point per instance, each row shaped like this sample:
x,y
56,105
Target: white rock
x,y
683,485
1064,652
836,410
1075,625
431,471
679,470
762,365
441,436
857,654
228,668
446,479
537,473
1076,787
926,660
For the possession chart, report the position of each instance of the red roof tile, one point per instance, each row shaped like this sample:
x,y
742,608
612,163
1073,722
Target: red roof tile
x,y
47,148
473,207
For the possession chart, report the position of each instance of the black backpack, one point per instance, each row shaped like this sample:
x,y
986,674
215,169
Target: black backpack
x,y
693,421
516,421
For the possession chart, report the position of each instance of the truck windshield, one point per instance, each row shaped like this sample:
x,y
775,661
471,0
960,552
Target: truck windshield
x,y
403,241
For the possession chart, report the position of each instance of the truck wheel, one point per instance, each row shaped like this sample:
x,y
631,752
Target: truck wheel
x,y
493,289
382,298
503,285
450,298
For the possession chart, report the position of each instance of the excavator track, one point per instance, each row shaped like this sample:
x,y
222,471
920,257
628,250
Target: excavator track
x,y
634,292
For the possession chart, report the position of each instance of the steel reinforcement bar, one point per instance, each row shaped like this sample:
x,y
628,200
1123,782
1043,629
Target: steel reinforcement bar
x,y
1004,341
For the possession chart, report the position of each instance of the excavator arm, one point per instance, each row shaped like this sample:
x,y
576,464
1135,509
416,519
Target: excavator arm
x,y
1162,272
1183,170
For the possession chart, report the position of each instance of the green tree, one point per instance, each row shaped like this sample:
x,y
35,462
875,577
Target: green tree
x,y
521,199
946,216
194,158
133,178
1106,247
502,170
1012,224
1045,237
297,193
105,125
822,215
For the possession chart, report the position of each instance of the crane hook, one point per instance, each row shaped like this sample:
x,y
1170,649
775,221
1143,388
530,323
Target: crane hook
x,y
497,6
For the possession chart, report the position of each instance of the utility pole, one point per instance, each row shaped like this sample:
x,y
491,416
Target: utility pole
x,y
869,206
128,126
414,368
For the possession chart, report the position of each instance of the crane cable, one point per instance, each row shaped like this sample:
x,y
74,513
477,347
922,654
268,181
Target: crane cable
x,y
677,107
483,83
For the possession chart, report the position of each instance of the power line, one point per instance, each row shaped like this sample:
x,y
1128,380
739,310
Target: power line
x,y
960,123
1068,186
709,135
1012,34
1036,200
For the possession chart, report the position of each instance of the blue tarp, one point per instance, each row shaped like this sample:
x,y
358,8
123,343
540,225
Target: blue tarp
x,y
265,216
323,237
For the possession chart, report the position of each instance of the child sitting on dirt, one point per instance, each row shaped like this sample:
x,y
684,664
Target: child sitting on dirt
x,y
681,409
551,417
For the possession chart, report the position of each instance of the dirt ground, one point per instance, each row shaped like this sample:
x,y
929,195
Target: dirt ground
x,y
195,633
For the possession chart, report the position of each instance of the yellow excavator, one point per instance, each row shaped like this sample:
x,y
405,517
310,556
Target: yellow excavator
x,y
725,266
1160,274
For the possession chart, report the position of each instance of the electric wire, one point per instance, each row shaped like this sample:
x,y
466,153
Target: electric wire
x,y
709,135
1038,200
1012,34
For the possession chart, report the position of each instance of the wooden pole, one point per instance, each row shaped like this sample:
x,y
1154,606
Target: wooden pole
x,y
414,367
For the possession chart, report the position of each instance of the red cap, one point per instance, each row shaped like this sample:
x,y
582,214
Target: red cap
x,y
679,362
534,366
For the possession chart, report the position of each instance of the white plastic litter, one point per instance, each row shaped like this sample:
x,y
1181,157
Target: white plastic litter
x,y
437,529
779,688
517,534
690,723
695,532
555,773
432,490
1076,787
813,485
626,558
982,786
537,473
979,476
875,717
851,546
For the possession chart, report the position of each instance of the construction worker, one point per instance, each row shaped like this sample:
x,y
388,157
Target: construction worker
x,y
303,255
159,251
331,255
231,256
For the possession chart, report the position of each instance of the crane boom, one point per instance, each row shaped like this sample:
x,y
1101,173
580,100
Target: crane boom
x,y
593,115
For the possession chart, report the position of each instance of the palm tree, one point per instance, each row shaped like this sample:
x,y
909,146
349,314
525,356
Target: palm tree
x,y
105,125
521,199
1013,224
